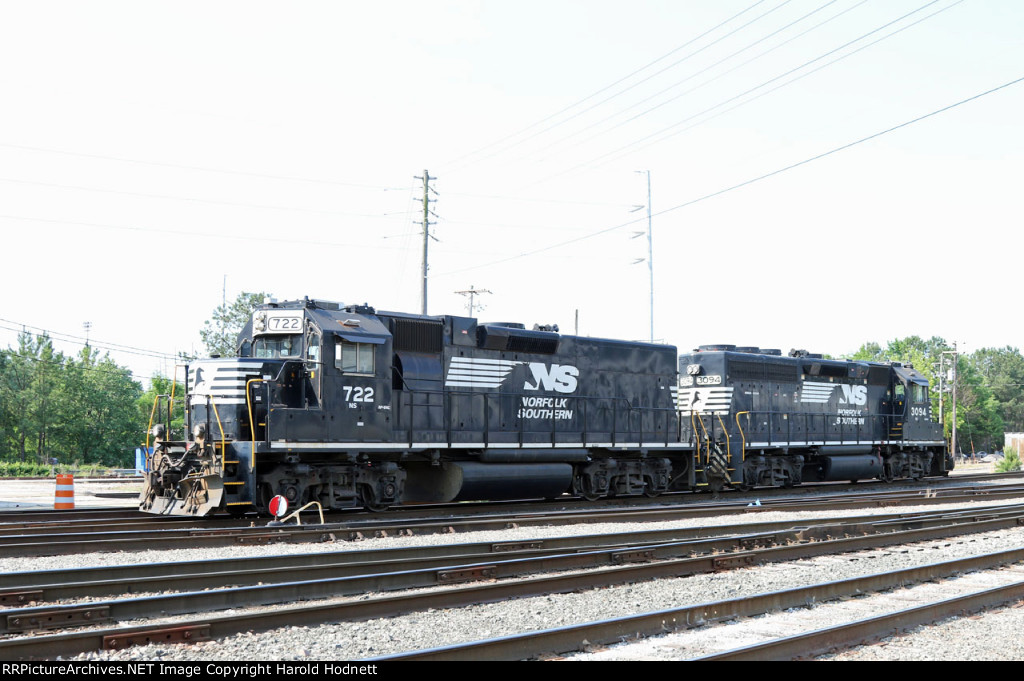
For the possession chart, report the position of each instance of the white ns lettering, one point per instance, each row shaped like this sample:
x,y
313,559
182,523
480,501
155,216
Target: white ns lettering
x,y
558,378
855,394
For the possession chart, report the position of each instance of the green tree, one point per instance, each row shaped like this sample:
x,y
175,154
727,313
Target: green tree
x,y
219,333
71,409
979,422
16,374
1003,372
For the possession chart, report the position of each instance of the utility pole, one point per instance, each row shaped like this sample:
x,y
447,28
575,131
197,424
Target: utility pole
x,y
955,362
472,293
650,248
426,229
952,381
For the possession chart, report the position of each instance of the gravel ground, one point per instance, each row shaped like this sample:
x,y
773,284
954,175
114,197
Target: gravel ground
x,y
352,640
988,637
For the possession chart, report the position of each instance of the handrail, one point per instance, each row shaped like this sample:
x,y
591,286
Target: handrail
x,y
296,512
725,432
620,407
252,425
223,438
743,436
170,404
706,438
825,426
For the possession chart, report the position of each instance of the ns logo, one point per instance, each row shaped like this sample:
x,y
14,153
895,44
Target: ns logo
x,y
558,377
854,394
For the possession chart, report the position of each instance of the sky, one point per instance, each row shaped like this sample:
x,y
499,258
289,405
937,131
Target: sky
x,y
822,173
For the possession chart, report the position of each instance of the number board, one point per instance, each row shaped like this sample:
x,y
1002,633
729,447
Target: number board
x,y
282,321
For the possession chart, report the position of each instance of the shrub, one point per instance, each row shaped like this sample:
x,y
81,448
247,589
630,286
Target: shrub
x,y
1009,463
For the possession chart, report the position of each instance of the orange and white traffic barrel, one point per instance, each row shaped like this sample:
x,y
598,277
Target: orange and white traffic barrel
x,y
64,497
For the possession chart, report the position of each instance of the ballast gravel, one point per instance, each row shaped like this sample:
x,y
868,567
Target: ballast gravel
x,y
988,636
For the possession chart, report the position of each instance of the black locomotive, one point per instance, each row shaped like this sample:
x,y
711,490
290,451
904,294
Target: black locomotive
x,y
757,418
347,406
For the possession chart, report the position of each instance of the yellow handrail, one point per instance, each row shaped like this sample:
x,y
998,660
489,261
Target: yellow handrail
x,y
223,443
706,438
743,436
170,406
696,437
296,512
149,428
728,451
252,424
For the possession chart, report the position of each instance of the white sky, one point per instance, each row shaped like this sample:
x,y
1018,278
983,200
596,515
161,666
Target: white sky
x,y
148,150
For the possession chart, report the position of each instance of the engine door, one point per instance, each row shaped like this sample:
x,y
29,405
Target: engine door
x,y
360,391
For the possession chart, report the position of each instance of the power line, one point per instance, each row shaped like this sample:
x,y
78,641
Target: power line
x,y
670,131
190,199
598,92
68,338
181,166
123,372
705,70
741,184
291,240
654,138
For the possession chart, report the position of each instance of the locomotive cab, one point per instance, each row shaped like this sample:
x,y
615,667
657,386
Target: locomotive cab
x,y
912,423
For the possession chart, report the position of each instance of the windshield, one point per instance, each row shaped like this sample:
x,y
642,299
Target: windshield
x,y
277,346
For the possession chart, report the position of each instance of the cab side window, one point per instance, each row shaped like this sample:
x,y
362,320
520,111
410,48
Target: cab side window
x,y
354,358
313,346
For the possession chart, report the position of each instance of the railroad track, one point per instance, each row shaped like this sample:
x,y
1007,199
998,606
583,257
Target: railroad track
x,y
38,536
629,558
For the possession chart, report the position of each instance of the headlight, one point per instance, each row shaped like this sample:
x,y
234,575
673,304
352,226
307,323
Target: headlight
x,y
693,369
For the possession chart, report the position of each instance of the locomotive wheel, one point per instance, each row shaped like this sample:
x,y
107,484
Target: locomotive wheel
x,y
368,499
649,491
582,489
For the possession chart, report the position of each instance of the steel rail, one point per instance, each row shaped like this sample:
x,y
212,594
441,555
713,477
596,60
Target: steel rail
x,y
850,634
43,646
27,619
580,637
19,588
64,542
22,588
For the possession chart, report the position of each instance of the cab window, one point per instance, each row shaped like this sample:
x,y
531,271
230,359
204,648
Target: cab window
x,y
354,358
267,347
313,347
